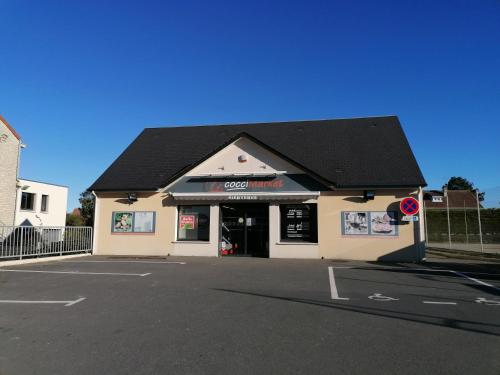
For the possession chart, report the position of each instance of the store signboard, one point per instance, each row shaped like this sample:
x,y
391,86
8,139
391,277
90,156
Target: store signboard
x,y
281,183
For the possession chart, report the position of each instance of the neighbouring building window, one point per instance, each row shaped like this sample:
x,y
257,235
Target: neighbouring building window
x,y
133,222
45,203
299,222
27,201
193,223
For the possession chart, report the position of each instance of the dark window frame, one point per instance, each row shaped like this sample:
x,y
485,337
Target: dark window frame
x,y
24,201
178,239
44,203
313,224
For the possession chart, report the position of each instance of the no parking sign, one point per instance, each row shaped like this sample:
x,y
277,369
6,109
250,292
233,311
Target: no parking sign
x,y
409,206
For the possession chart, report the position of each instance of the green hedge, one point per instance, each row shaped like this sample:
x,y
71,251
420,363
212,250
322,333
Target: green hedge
x,y
437,226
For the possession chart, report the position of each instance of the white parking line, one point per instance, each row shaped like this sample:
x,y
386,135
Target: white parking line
x,y
81,273
120,261
439,303
333,286
65,303
477,281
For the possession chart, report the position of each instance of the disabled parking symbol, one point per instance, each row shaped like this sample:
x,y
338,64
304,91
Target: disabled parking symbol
x,y
382,298
489,302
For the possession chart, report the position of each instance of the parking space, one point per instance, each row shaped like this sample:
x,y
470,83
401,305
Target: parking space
x,y
248,315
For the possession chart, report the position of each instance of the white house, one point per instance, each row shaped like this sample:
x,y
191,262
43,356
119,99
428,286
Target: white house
x,y
41,204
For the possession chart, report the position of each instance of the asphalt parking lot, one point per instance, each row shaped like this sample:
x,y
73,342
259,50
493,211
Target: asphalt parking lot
x,y
98,315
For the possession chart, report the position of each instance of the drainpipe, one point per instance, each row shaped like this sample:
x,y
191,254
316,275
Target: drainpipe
x,y
96,223
422,224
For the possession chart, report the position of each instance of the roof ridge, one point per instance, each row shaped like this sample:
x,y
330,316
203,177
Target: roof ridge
x,y
271,122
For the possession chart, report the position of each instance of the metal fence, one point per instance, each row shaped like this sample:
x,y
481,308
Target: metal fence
x,y
464,229
18,242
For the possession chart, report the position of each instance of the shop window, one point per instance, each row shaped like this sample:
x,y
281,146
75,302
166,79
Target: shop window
x,y
133,222
27,201
193,223
45,203
299,223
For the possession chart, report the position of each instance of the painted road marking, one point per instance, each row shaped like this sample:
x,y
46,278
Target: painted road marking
x,y
120,261
477,281
462,274
333,286
65,303
489,302
380,297
81,273
439,303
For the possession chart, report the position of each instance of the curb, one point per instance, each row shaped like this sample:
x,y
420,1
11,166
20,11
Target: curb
x,y
463,255
16,262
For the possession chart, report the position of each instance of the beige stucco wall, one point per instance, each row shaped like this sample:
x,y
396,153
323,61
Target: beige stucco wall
x,y
9,158
158,243
259,159
332,244
163,241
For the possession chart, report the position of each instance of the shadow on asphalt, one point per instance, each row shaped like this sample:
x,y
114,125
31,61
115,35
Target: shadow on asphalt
x,y
442,269
478,327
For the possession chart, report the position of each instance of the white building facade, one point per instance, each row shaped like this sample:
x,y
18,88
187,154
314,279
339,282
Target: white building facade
x,y
41,204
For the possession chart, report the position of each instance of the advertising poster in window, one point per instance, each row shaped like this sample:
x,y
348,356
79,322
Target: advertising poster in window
x,y
383,223
355,223
144,222
122,222
187,222
298,222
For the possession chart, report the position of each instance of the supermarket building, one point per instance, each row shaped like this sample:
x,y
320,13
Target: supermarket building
x,y
308,189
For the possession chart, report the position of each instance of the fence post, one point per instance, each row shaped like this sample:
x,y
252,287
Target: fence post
x,y
61,244
479,220
448,216
466,231
21,243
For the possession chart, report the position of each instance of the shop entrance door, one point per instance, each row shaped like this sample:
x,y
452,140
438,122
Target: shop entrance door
x,y
244,229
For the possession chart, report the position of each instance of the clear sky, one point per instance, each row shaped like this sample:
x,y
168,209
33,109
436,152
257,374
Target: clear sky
x,y
80,80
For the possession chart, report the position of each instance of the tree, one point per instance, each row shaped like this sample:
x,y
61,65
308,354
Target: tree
x,y
74,220
460,183
87,201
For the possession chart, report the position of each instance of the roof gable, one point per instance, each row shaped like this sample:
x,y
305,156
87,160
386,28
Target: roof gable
x,y
11,129
257,158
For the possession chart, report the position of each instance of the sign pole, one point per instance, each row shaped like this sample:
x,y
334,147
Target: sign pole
x,y
448,216
422,228
479,220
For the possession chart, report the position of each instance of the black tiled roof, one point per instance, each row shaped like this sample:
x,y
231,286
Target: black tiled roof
x,y
360,152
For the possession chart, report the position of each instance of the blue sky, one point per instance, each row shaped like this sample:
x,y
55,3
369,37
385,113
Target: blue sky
x,y
80,80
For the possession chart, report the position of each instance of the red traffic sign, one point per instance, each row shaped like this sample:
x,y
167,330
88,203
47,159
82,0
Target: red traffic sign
x,y
409,206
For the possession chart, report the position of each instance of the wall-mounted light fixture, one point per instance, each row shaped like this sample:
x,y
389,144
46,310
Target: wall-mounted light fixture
x,y
242,158
368,195
132,197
